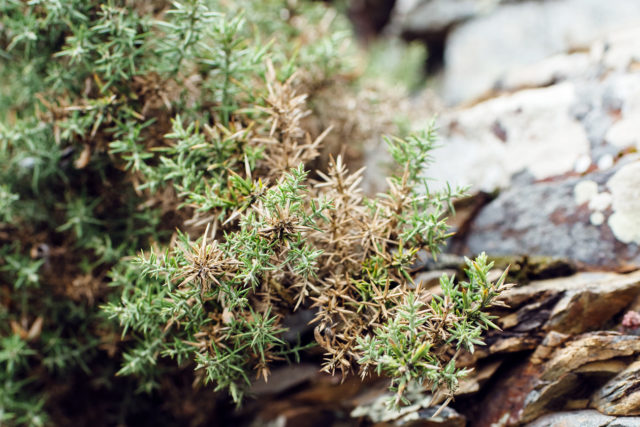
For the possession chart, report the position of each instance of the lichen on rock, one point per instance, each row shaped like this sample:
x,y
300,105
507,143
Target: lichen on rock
x,y
584,191
625,190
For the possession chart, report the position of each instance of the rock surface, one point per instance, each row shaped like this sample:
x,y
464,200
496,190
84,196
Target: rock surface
x,y
570,113
532,130
592,219
570,305
433,16
567,344
481,51
564,374
585,418
574,365
621,395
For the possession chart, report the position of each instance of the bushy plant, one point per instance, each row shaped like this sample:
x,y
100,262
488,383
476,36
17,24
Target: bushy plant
x,y
160,200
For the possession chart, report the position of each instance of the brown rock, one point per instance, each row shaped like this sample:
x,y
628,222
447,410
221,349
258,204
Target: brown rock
x,y
513,344
592,307
548,346
590,347
563,373
424,418
589,359
585,301
621,395
475,380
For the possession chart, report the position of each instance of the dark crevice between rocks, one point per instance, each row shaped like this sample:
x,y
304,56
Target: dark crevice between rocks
x,y
478,410
524,269
369,17
466,210
435,42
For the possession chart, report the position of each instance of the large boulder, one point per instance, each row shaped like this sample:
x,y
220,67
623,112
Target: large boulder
x,y
481,51
567,114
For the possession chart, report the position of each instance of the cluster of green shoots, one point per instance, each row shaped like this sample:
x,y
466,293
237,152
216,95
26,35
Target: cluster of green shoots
x,y
163,197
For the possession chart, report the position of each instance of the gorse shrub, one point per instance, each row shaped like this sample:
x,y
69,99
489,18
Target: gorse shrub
x,y
161,199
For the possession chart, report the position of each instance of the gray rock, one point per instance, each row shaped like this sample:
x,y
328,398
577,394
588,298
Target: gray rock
x,y
586,112
573,218
585,418
558,81
430,16
569,113
531,131
481,51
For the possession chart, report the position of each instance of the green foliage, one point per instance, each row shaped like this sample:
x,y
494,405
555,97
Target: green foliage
x,y
171,303
156,205
403,347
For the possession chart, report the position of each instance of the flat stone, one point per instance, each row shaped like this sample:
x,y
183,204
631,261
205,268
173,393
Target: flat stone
x,y
585,418
587,348
588,302
562,375
550,221
588,356
432,16
546,72
482,50
621,395
530,130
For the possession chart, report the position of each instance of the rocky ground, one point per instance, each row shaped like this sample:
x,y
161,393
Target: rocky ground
x,y
543,124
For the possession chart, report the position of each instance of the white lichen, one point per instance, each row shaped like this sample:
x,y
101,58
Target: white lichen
x,y
600,201
605,162
582,164
625,191
625,132
596,218
584,191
